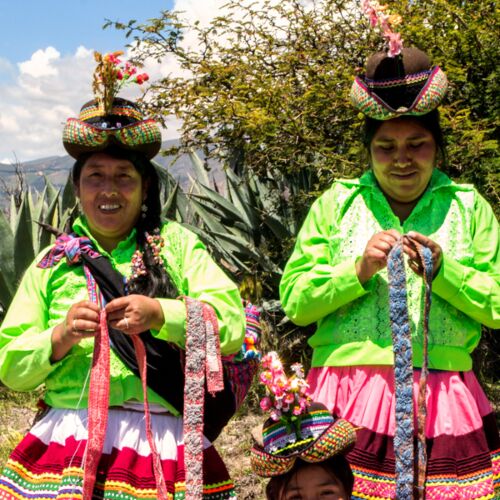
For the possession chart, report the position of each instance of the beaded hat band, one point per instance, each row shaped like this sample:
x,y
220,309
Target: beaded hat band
x,y
80,137
335,439
434,85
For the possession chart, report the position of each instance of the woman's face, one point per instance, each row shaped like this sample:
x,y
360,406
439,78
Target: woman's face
x,y
403,155
111,193
313,482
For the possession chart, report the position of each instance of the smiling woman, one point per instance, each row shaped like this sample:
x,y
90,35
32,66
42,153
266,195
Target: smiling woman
x,y
116,302
111,192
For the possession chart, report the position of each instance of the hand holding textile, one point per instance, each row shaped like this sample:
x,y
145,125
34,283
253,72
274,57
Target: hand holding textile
x,y
134,314
82,321
374,257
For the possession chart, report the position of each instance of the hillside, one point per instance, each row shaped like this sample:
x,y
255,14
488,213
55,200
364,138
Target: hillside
x,y
57,168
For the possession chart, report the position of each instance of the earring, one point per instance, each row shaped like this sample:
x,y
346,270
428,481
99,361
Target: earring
x,y
144,210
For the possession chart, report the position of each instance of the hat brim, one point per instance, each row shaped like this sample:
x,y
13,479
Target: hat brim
x,y
81,138
337,438
428,99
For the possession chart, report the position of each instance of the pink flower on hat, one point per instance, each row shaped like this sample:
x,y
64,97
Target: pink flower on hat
x,y
285,396
379,14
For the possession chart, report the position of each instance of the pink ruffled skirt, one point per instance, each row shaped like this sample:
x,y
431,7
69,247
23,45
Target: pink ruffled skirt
x,y
463,444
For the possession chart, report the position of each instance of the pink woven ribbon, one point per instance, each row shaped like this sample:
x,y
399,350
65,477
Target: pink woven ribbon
x,y
203,363
97,407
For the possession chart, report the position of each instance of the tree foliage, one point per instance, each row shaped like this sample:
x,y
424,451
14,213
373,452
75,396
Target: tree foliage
x,y
264,88
266,85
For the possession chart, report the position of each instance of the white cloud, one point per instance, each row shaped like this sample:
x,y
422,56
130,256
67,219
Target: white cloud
x,y
41,93
47,89
42,63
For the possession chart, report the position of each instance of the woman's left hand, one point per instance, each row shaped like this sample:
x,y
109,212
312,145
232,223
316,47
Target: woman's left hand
x,y
414,259
134,314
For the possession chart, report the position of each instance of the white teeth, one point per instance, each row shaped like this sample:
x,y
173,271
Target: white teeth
x,y
109,207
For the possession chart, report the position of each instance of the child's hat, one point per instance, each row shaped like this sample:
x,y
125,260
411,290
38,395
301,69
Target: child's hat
x,y
318,438
297,428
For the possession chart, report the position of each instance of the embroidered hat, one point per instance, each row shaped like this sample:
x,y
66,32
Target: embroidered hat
x,y
316,437
297,428
108,120
406,84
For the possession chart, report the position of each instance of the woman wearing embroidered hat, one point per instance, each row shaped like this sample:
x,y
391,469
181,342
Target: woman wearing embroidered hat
x,y
122,272
301,447
369,258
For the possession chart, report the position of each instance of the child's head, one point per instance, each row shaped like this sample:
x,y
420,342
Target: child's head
x,y
331,479
301,446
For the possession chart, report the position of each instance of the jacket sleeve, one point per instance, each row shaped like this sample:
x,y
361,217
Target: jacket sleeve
x,y
311,287
204,280
25,336
475,289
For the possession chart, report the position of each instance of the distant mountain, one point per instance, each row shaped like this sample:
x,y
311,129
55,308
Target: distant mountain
x,y
57,168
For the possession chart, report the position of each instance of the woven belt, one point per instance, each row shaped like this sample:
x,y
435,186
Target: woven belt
x,y
403,371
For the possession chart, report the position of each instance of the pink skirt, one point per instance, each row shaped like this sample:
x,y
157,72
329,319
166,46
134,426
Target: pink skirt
x,y
47,463
463,445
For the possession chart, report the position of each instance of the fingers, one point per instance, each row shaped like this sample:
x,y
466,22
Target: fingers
x,y
82,321
410,249
118,304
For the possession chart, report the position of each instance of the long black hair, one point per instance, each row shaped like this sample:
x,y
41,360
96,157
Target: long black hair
x,y
430,121
156,282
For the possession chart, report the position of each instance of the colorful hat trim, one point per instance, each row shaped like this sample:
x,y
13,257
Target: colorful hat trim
x,y
336,438
80,137
120,107
363,95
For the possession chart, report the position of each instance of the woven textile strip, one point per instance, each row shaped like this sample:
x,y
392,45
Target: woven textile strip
x,y
97,406
140,352
403,372
203,362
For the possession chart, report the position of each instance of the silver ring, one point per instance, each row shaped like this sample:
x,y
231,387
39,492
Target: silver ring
x,y
74,325
126,322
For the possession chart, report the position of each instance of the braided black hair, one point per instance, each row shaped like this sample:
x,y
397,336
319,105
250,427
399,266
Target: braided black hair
x,y
156,282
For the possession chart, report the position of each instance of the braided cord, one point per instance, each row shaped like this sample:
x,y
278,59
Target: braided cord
x,y
403,372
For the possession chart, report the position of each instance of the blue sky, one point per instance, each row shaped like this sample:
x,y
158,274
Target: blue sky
x,y
46,64
28,25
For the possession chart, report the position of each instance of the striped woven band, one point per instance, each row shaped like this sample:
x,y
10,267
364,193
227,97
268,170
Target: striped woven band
x,y
82,134
363,95
92,110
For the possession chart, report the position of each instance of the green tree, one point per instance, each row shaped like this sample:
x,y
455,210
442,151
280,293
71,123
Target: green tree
x,y
266,85
264,89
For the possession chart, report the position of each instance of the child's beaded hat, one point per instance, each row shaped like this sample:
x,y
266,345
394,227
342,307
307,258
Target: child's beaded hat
x,y
319,438
108,120
297,429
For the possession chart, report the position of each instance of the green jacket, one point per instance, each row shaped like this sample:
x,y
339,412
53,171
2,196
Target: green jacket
x,y
45,295
320,284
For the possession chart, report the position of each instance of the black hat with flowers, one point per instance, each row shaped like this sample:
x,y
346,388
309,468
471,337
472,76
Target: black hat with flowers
x,y
298,428
399,82
108,120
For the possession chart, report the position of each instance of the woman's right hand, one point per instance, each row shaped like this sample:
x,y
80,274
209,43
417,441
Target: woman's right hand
x,y
375,255
82,321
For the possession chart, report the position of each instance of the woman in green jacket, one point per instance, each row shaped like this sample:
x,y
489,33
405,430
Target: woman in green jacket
x,y
104,434
337,277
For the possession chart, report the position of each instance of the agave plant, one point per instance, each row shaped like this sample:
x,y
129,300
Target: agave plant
x,y
22,237
250,224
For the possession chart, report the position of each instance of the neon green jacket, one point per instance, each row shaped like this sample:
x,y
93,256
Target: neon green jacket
x,y
320,284
45,295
